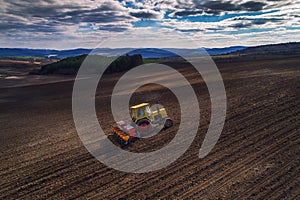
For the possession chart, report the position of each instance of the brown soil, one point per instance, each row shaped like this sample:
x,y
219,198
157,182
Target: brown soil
x,y
257,156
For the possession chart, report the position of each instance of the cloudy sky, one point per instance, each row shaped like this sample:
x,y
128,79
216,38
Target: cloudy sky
x,y
65,24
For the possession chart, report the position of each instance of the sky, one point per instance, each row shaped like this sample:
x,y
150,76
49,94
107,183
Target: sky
x,y
69,24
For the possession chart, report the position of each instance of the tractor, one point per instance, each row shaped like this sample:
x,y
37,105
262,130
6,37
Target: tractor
x,y
143,121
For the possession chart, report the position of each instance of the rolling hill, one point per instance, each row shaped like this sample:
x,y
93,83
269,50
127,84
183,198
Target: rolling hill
x,y
280,49
145,52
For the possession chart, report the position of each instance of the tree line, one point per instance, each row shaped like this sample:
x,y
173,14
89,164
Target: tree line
x,y
95,63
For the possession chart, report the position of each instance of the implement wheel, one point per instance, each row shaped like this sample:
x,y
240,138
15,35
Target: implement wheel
x,y
168,123
143,127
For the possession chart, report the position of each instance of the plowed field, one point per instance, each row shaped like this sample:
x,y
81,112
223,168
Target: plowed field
x,y
257,155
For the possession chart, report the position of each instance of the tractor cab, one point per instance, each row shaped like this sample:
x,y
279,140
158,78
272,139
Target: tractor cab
x,y
140,111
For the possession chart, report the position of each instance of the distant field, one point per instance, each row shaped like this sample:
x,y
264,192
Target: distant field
x,y
21,58
17,67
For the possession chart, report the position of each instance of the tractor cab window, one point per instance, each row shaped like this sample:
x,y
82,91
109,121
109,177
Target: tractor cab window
x,y
140,113
148,111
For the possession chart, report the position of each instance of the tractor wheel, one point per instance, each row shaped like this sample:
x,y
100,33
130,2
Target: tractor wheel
x,y
143,127
168,123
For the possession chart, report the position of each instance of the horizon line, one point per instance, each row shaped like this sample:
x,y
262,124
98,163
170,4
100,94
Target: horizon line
x,y
148,47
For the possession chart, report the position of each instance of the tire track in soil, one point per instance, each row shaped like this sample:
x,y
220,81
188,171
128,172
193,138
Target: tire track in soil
x,y
291,191
215,173
272,151
295,128
21,165
274,179
272,184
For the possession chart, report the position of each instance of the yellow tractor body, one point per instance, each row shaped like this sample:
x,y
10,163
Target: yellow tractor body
x,y
143,119
143,111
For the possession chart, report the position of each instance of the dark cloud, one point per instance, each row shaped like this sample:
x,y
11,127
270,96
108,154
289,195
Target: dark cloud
x,y
33,28
14,24
246,23
220,28
38,8
113,28
190,30
241,25
261,21
257,21
98,15
105,13
218,6
182,4
144,15
252,6
26,27
188,13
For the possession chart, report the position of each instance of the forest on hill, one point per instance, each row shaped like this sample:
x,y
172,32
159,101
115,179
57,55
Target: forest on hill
x,y
95,63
